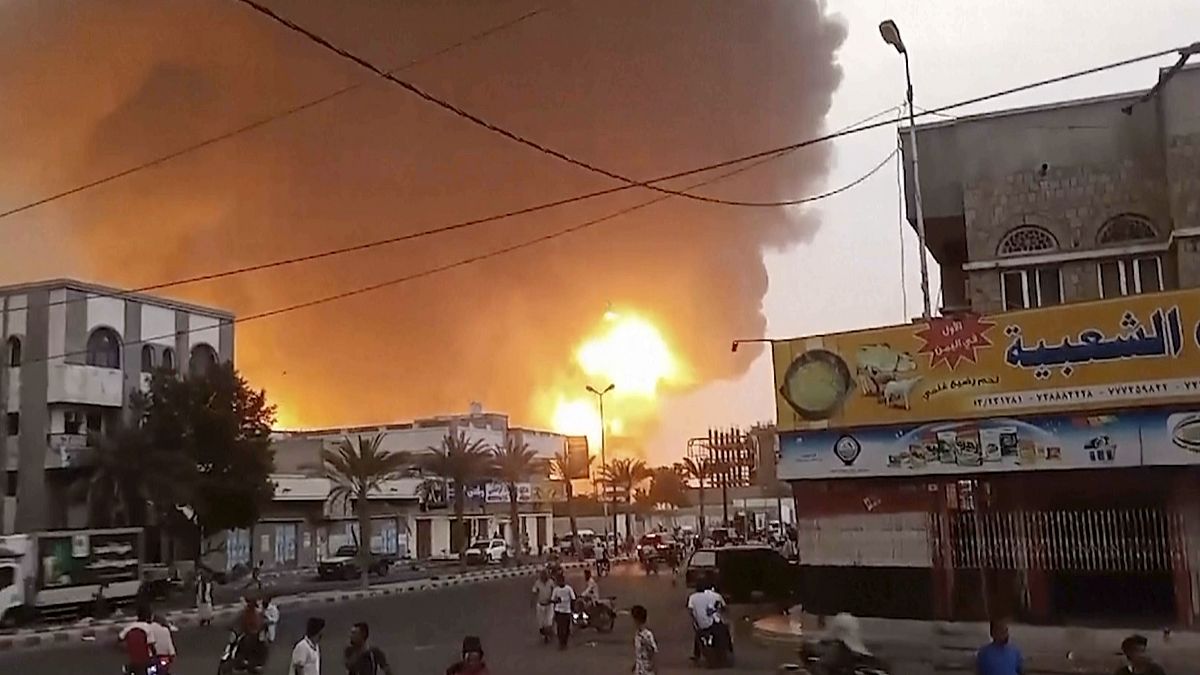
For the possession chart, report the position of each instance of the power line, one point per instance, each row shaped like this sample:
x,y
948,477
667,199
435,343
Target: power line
x,y
287,112
489,254
764,154
439,230
492,126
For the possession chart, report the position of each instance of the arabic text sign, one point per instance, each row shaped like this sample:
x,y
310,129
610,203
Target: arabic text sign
x,y
1134,351
1080,441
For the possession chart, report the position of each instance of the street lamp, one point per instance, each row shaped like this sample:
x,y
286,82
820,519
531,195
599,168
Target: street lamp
x,y
603,461
733,346
891,35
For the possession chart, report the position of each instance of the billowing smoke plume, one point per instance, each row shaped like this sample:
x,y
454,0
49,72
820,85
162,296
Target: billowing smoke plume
x,y
641,88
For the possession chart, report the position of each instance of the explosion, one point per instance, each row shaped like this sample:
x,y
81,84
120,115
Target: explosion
x,y
519,331
629,352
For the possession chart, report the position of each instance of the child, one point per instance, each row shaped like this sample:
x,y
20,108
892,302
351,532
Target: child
x,y
271,617
645,648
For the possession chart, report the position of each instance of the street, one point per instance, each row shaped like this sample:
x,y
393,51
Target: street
x,y
422,632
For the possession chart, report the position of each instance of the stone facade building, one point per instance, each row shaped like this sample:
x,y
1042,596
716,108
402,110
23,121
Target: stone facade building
x,y
1066,202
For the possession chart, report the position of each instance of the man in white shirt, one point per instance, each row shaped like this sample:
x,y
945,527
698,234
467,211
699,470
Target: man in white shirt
x,y
164,643
705,607
306,656
543,612
562,599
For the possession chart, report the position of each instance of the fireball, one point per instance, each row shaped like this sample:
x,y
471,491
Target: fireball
x,y
629,352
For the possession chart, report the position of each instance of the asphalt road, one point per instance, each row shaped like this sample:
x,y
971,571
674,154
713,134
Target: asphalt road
x,y
422,633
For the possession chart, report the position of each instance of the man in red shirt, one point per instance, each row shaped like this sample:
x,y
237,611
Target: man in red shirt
x,y
138,640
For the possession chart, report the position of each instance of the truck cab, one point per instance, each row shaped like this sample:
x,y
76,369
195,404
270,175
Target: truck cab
x,y
12,586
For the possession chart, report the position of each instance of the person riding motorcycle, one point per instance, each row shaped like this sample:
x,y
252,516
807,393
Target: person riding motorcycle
x,y
844,652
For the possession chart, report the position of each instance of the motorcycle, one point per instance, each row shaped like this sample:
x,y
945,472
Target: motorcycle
x,y
650,565
600,615
716,646
237,658
603,567
817,653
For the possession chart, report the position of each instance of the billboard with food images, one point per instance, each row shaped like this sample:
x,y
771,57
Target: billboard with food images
x,y
1145,437
1111,354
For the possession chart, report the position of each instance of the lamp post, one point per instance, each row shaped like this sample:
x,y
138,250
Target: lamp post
x,y
603,460
891,35
733,346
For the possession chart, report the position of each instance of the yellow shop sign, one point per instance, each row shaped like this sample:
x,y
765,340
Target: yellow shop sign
x,y
1133,351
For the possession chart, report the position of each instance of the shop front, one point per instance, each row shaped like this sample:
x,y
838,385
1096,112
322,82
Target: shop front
x,y
1038,463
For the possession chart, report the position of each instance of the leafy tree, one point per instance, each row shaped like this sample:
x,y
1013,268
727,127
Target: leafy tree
x,y
216,430
355,471
667,486
464,463
116,490
513,463
560,469
699,469
623,475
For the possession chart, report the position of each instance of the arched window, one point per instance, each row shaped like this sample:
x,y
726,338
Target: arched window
x,y
1124,228
168,360
1027,239
202,360
147,358
104,348
13,351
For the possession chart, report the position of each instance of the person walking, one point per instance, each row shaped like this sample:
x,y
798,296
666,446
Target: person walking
x,y
362,658
1136,660
204,598
270,618
1000,656
543,611
306,655
562,598
645,647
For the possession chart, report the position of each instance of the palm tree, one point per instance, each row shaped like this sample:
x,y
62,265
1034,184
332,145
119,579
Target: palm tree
x,y
513,463
464,463
698,469
624,475
355,470
560,469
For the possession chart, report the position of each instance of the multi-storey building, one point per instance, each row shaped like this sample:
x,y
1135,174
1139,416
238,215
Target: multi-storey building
x,y
73,354
1029,451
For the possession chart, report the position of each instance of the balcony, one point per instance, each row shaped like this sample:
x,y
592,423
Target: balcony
x,y
89,385
63,451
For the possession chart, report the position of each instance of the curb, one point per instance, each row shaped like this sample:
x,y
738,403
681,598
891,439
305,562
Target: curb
x,y
107,630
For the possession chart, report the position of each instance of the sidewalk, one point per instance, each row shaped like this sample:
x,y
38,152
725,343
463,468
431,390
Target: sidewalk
x,y
90,630
950,647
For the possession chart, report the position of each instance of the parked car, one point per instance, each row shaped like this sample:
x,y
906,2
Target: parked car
x,y
344,564
724,536
487,551
587,540
746,573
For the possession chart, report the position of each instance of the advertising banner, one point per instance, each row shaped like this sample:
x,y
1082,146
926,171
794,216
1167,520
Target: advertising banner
x,y
1139,350
578,466
1081,441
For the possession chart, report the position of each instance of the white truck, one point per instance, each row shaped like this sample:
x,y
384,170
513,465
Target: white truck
x,y
65,570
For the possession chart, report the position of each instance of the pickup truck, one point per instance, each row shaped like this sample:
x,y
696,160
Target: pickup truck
x,y
344,564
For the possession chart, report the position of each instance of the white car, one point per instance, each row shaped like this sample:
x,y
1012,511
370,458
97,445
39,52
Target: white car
x,y
487,551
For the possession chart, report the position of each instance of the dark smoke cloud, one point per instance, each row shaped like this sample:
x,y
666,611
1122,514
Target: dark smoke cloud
x,y
641,88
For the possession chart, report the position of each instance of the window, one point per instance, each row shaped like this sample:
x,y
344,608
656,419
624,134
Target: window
x,y
8,576
95,421
104,349
203,358
10,487
168,360
72,422
1125,228
14,351
12,423
1130,276
1029,288
1027,239
147,359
